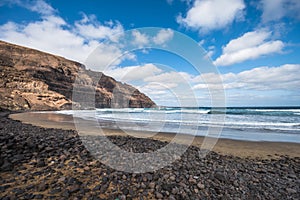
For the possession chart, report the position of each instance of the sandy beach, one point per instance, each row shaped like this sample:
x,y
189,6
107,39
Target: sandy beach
x,y
244,149
38,162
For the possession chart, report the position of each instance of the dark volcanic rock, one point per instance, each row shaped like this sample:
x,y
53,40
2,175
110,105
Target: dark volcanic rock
x,y
220,176
6,166
34,80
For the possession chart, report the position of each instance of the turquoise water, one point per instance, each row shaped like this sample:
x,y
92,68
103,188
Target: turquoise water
x,y
254,124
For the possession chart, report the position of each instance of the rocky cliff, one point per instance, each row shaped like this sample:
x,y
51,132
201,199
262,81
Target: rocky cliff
x,y
34,80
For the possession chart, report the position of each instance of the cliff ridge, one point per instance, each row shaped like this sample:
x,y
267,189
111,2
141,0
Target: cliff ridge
x,y
34,80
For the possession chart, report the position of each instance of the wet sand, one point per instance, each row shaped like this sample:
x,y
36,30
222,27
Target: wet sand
x,y
243,149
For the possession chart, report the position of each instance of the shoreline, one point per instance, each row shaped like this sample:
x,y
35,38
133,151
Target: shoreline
x,y
238,148
51,163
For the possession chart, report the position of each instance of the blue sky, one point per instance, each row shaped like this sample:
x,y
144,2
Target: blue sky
x,y
255,45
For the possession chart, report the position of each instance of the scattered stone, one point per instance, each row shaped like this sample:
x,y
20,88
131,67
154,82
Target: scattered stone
x,y
55,191
200,186
74,188
172,198
172,178
40,163
291,191
159,195
167,187
192,180
175,191
152,185
42,186
125,191
220,176
97,187
38,196
61,179
293,176
6,166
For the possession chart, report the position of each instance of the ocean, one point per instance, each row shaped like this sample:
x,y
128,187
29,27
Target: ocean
x,y
280,124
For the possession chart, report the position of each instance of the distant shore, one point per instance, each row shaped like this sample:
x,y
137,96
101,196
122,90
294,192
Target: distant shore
x,y
251,149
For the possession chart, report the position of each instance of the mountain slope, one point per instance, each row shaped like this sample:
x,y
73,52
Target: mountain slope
x,y
34,80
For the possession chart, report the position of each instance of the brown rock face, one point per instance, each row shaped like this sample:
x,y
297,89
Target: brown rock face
x,y
34,80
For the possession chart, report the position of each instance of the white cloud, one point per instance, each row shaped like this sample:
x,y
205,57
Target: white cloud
x,y
201,42
163,85
210,78
285,77
251,45
88,27
155,88
54,35
139,39
159,84
38,6
142,39
169,77
207,15
48,35
274,10
104,56
133,73
211,51
163,36
248,40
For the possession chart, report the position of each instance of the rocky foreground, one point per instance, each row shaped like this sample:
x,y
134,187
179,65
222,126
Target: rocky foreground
x,y
40,163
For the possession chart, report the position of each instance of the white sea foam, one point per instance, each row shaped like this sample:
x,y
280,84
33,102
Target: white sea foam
x,y
275,110
188,120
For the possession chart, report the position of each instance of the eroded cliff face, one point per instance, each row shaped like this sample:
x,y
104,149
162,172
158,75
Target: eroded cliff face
x,y
34,80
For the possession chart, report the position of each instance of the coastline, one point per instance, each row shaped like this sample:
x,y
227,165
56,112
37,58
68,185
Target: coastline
x,y
239,148
52,163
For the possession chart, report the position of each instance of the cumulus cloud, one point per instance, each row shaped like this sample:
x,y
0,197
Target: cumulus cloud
x,y
251,45
284,77
133,73
148,73
160,85
211,51
54,35
140,39
169,77
274,10
157,90
105,56
38,6
163,36
48,35
90,28
207,15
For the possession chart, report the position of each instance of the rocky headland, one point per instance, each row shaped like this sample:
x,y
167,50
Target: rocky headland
x,y
34,80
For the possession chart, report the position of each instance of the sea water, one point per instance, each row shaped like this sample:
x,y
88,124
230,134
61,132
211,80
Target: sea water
x,y
247,123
